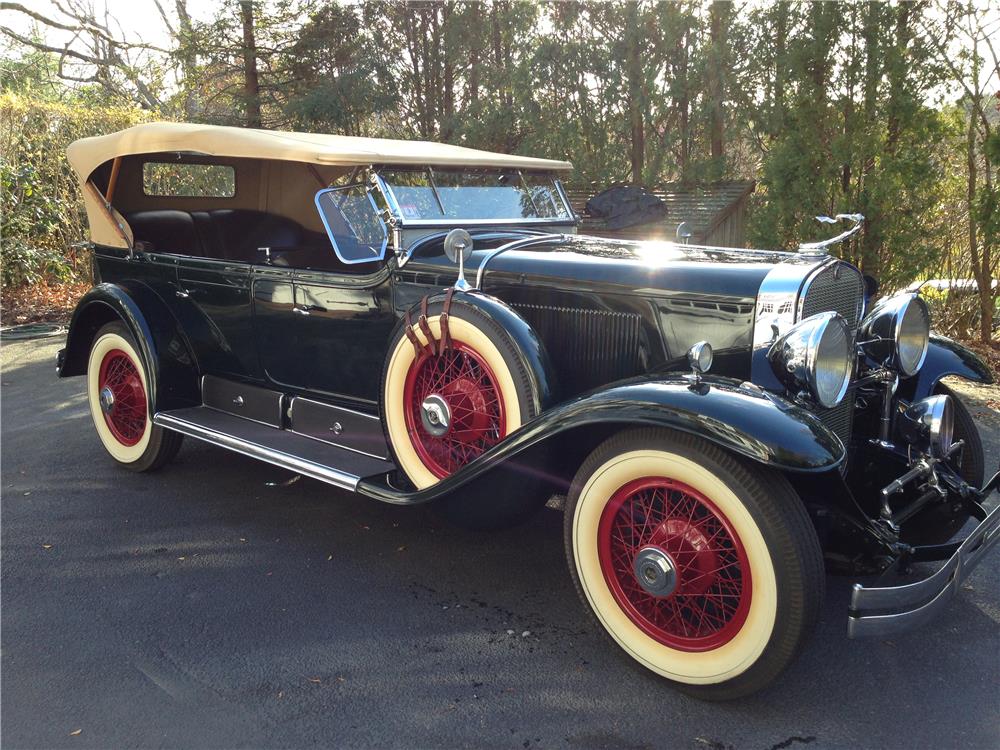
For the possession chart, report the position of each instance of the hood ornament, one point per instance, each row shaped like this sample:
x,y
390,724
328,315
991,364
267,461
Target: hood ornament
x,y
819,248
458,248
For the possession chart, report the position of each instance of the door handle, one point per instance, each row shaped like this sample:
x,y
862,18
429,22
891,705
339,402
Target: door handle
x,y
183,293
306,309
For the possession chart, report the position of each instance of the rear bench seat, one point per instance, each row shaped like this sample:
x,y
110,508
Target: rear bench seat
x,y
234,234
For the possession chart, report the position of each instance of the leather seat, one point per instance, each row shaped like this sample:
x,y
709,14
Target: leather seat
x,y
241,232
166,231
235,234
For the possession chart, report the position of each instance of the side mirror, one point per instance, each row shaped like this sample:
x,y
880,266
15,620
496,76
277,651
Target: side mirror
x,y
458,248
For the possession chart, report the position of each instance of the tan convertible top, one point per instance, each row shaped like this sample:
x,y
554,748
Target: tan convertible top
x,y
108,227
88,154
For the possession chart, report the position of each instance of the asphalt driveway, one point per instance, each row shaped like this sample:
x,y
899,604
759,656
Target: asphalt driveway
x,y
204,607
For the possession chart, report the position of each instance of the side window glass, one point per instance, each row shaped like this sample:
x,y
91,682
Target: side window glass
x,y
353,223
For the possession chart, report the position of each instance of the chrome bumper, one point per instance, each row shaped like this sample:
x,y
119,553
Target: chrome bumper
x,y
893,609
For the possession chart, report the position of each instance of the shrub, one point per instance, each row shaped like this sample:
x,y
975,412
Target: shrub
x,y
43,218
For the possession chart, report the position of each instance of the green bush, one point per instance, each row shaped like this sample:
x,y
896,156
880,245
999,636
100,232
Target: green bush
x,y
43,218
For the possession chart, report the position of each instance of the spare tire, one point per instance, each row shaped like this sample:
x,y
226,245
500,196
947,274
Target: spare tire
x,y
444,406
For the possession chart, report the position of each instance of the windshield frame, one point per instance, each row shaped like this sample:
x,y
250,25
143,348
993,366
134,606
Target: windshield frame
x,y
444,221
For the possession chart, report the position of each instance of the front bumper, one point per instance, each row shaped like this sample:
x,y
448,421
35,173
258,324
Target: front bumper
x,y
893,609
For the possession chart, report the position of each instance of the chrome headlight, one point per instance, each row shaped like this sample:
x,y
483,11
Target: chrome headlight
x,y
816,354
901,328
929,424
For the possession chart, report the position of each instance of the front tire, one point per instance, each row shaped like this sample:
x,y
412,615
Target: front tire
x,y
704,569
117,389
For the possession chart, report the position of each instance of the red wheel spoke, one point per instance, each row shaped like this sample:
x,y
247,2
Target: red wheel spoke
x,y
464,381
127,417
711,596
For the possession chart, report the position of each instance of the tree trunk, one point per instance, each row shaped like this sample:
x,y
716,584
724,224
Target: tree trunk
x,y
715,92
189,58
633,36
251,83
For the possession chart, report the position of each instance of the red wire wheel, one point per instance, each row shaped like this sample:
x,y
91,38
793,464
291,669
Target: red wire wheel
x,y
461,379
125,415
710,596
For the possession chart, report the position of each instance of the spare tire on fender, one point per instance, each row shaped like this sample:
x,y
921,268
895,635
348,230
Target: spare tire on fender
x,y
450,396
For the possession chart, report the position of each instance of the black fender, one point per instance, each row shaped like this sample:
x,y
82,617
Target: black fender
x,y
530,349
166,353
944,357
752,423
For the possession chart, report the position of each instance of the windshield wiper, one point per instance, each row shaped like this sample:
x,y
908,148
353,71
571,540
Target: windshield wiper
x,y
437,196
527,190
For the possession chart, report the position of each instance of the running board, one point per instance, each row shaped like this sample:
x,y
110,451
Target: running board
x,y
340,467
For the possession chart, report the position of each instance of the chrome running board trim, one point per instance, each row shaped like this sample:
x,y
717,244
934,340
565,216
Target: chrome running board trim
x,y
282,448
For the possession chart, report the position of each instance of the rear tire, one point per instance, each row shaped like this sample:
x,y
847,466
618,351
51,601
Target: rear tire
x,y
739,555
118,386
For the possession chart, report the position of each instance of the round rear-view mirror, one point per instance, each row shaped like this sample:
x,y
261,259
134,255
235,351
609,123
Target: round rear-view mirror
x,y
458,243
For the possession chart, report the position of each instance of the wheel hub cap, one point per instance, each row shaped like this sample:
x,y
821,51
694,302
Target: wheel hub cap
x,y
107,399
655,571
435,415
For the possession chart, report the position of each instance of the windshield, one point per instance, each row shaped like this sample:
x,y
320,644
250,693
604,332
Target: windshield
x,y
483,195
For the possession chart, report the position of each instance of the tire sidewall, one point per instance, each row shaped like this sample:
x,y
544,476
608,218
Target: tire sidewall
x,y
587,503
109,338
476,330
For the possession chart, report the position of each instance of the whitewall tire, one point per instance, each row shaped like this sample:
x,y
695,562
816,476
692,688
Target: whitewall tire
x,y
118,390
703,569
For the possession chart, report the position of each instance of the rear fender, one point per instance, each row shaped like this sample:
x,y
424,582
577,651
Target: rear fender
x,y
166,353
944,357
750,422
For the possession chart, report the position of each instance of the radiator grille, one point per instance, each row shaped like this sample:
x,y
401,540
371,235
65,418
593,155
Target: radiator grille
x,y
837,288
588,347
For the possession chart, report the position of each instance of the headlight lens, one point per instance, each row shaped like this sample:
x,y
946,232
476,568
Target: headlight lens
x,y
816,354
901,327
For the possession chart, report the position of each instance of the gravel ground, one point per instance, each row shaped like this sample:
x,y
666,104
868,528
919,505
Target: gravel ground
x,y
203,607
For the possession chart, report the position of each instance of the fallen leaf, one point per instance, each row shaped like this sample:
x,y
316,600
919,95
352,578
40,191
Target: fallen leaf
x,y
180,558
329,558
401,548
242,539
46,546
316,680
341,679
75,732
27,493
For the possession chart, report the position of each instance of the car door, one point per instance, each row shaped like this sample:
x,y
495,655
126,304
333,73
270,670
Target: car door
x,y
216,295
341,329
331,334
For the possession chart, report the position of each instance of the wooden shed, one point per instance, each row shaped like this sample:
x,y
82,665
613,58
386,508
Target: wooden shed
x,y
715,212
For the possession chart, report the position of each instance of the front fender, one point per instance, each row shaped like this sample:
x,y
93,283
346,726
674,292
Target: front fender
x,y
944,357
530,349
166,353
748,421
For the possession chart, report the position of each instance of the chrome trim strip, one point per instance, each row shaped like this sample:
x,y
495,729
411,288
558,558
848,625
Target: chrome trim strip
x,y
904,607
514,245
254,450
